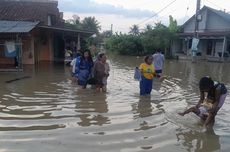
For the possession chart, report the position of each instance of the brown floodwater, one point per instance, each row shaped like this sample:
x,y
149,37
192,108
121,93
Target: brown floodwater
x,y
44,111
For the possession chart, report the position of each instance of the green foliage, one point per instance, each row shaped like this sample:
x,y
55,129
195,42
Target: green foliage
x,y
134,30
88,23
158,37
125,44
173,27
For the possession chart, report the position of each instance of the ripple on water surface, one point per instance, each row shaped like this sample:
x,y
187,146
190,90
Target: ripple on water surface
x,y
63,117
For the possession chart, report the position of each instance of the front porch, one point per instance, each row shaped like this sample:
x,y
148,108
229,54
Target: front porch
x,y
210,48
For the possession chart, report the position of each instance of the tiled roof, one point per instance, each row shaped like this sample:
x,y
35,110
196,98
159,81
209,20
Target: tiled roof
x,y
28,11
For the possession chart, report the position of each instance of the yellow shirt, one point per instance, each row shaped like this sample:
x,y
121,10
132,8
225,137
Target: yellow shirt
x,y
147,71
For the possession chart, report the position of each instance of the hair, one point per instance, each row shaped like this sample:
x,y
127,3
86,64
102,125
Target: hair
x,y
147,57
158,50
90,56
206,83
101,55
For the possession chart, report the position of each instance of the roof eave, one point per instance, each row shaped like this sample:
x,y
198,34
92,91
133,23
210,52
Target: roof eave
x,y
67,29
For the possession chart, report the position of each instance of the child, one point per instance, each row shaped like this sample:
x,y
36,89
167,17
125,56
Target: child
x,y
202,111
147,74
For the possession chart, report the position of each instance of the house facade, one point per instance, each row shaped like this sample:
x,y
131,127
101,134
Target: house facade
x,y
37,30
213,34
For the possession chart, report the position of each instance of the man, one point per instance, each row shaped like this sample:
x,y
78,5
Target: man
x,y
158,61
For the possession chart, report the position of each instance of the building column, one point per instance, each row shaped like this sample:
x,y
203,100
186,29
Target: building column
x,y
223,49
78,42
51,49
32,49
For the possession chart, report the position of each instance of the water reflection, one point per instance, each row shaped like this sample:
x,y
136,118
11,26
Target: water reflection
x,y
199,142
143,108
55,115
92,111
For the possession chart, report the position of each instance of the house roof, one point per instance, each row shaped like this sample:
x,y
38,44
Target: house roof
x,y
224,15
69,30
206,34
17,26
32,14
28,10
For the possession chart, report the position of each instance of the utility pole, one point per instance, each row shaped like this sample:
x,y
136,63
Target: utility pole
x,y
111,29
197,19
195,40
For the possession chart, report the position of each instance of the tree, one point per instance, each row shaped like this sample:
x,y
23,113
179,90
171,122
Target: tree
x,y
90,23
173,27
151,39
159,25
134,30
148,27
74,22
106,34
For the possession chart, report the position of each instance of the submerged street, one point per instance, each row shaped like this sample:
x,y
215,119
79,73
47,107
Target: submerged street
x,y
45,111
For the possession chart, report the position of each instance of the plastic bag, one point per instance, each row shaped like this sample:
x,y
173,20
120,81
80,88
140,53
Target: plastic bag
x,y
137,74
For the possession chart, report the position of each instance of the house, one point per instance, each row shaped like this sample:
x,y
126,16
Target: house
x,y
213,34
35,30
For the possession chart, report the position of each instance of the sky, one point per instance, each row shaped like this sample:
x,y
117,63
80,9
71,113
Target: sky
x,y
125,13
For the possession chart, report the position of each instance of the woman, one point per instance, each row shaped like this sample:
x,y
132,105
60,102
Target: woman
x,y
216,92
83,69
101,72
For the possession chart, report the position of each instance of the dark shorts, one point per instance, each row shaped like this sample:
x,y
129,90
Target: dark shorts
x,y
158,73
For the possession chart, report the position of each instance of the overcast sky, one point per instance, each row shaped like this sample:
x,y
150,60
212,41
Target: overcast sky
x,y
124,13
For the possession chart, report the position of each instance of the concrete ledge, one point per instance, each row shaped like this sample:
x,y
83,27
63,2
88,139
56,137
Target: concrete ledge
x,y
11,70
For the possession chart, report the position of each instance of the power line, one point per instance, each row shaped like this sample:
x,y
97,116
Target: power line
x,y
186,13
215,4
145,3
157,13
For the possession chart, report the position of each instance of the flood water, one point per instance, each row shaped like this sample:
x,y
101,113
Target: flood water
x,y
46,112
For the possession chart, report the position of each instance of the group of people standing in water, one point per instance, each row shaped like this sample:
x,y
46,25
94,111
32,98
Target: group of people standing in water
x,y
85,70
212,93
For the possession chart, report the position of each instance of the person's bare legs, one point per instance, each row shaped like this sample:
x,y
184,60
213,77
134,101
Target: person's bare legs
x,y
98,88
209,120
192,109
104,88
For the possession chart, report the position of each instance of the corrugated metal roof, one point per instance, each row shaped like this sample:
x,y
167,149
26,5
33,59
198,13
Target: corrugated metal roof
x,y
16,26
223,14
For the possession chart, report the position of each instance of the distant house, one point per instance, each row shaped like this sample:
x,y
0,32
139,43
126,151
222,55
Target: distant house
x,y
213,32
37,32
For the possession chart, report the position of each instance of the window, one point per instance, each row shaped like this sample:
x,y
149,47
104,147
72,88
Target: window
x,y
51,20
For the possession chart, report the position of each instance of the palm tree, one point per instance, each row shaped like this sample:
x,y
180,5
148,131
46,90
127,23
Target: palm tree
x,y
134,30
90,23
74,22
148,27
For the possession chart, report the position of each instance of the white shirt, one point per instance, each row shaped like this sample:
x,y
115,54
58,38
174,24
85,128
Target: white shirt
x,y
158,61
73,64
